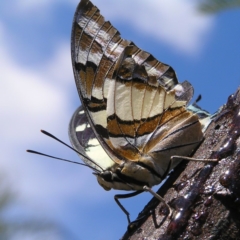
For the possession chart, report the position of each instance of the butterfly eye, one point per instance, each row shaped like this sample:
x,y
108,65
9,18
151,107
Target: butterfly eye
x,y
107,176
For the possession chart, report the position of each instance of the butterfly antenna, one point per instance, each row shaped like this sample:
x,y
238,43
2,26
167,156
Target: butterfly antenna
x,y
57,139
62,159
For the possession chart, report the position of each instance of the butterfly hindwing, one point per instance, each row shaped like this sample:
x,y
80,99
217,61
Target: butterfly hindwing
x,y
85,141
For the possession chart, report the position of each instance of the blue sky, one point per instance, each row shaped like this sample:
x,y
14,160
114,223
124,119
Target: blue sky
x,y
38,92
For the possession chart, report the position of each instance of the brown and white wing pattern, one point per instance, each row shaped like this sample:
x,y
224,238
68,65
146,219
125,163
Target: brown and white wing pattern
x,y
134,104
145,122
96,49
85,141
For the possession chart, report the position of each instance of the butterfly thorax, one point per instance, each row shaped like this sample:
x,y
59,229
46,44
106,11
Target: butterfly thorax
x,y
128,176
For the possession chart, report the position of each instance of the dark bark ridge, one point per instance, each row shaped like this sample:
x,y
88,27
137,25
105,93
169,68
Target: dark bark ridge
x,y
205,196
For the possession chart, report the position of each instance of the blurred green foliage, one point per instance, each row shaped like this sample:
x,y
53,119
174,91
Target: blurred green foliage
x,y
213,6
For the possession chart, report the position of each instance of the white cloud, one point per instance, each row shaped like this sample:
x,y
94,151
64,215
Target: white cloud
x,y
177,23
39,10
28,94
38,6
26,6
33,99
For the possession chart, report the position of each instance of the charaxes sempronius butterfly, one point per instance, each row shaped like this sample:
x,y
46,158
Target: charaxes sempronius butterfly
x,y
134,113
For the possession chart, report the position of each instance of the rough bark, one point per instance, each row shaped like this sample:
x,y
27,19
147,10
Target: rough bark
x,y
205,196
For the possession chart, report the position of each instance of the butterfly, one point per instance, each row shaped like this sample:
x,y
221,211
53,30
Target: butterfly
x,y
134,113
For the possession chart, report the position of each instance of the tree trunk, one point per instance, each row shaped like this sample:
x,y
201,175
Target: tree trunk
x,y
205,197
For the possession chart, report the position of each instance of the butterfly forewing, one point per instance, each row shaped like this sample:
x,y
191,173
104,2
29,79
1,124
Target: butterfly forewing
x,y
126,92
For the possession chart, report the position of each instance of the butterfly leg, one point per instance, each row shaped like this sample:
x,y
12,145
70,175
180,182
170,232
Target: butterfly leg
x,y
122,196
193,159
146,188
